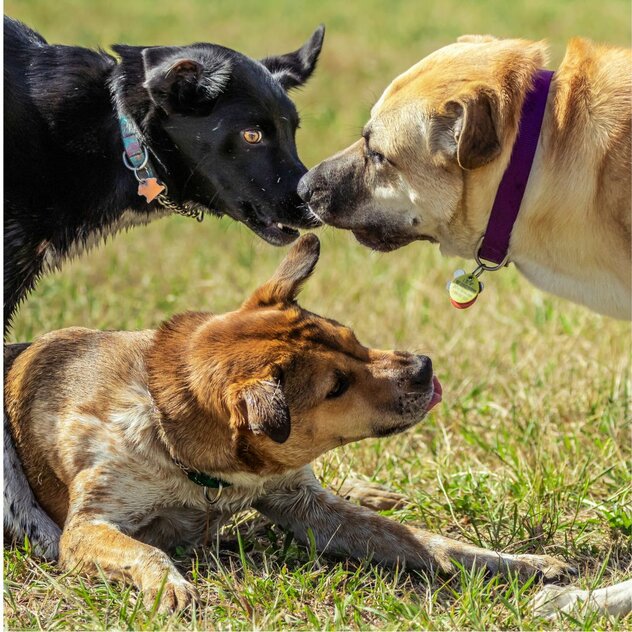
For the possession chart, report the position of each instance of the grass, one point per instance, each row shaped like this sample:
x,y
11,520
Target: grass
x,y
531,449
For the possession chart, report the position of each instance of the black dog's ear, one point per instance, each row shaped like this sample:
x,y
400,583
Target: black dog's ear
x,y
292,272
294,69
466,131
263,408
184,80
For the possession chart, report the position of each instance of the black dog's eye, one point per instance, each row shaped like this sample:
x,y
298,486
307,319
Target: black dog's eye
x,y
252,136
340,387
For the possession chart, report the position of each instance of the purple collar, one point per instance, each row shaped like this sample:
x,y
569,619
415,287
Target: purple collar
x,y
495,242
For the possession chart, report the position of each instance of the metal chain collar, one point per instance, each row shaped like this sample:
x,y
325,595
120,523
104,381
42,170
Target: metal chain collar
x,y
196,212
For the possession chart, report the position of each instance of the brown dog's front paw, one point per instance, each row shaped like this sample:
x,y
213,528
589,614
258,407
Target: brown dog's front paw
x,y
370,495
545,567
176,594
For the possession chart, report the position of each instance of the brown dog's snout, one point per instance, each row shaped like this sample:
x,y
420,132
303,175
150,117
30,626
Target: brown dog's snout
x,y
421,377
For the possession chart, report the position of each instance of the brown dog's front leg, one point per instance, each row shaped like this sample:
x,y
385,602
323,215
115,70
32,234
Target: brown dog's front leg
x,y
346,529
89,543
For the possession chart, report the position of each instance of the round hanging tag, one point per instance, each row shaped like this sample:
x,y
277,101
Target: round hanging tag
x,y
464,290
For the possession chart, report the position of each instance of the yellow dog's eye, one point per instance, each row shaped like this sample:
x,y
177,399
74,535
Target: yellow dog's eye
x,y
252,136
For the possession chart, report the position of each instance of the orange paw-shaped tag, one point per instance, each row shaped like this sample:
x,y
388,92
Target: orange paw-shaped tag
x,y
151,188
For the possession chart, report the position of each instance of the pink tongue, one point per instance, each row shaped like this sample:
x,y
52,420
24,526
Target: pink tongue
x,y
436,395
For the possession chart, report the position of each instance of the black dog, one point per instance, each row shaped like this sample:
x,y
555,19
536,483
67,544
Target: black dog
x,y
206,129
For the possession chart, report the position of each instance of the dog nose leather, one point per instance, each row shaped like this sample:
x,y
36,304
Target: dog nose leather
x,y
422,377
304,191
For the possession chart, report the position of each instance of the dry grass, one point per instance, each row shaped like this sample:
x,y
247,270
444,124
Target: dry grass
x,y
531,449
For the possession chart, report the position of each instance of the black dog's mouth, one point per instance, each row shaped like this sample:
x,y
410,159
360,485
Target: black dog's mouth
x,y
274,232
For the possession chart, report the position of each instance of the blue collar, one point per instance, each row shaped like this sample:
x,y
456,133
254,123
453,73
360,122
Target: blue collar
x,y
136,159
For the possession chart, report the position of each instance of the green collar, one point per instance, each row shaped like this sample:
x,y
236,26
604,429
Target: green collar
x,y
202,479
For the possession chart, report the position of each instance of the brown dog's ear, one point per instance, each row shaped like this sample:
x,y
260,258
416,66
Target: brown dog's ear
x,y
286,282
263,408
467,132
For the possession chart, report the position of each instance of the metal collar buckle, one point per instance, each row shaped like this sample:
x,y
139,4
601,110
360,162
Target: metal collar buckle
x,y
131,167
465,288
213,501
485,267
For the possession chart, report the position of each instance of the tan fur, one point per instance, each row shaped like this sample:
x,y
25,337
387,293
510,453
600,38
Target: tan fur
x,y
102,419
447,126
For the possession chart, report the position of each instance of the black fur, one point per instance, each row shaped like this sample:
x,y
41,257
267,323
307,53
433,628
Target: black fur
x,y
65,182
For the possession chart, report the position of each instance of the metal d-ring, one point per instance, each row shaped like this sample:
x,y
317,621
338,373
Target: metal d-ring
x,y
219,493
127,163
484,267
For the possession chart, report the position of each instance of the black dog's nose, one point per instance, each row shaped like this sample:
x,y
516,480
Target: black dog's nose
x,y
304,190
422,377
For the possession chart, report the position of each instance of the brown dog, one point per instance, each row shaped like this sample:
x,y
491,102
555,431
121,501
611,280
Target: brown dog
x,y
440,138
111,427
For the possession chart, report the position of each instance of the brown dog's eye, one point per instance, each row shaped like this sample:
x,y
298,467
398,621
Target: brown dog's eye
x,y
340,387
252,136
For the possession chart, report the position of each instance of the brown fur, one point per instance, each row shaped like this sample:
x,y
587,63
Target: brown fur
x,y
446,128
102,419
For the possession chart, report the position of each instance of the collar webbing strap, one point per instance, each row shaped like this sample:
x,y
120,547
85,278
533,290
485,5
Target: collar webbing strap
x,y
200,478
136,154
514,181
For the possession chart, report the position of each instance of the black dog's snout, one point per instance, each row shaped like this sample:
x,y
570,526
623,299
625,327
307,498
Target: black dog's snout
x,y
422,377
304,190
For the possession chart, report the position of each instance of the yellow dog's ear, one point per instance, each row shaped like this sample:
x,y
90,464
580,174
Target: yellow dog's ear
x,y
293,271
466,130
476,39
478,141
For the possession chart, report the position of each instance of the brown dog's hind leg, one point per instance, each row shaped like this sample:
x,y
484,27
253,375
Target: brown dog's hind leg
x,y
88,544
346,529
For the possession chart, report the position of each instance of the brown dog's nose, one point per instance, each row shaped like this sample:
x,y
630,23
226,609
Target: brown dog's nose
x,y
304,190
422,377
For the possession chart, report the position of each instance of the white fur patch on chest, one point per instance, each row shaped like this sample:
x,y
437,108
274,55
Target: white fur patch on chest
x,y
595,289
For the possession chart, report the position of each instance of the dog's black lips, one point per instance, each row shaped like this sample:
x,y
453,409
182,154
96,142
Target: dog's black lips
x,y
383,431
275,233
374,240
